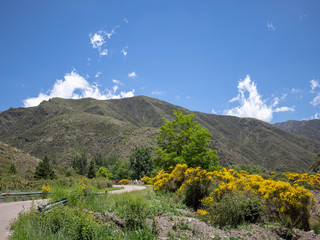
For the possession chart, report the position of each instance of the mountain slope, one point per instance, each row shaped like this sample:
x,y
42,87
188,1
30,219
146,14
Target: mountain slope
x,y
60,127
310,128
24,163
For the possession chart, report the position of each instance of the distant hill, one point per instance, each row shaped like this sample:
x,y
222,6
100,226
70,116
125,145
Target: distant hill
x,y
60,127
24,163
310,128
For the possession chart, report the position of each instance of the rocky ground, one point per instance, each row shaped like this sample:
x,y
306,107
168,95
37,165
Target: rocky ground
x,y
189,227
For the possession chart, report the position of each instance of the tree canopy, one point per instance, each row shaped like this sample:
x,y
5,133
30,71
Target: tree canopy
x,y
184,140
141,162
44,170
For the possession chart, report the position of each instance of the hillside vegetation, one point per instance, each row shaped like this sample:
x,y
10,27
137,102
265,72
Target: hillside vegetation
x,y
59,128
24,163
310,129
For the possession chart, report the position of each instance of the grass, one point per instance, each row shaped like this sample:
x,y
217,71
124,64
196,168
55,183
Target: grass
x,y
75,222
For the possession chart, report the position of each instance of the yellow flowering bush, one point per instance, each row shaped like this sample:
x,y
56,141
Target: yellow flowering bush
x,y
308,180
171,180
289,199
202,212
124,181
45,189
83,183
146,180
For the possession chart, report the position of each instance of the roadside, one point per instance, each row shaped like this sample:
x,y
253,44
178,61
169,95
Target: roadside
x,y
10,210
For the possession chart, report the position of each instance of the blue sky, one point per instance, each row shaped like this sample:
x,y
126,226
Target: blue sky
x,y
245,58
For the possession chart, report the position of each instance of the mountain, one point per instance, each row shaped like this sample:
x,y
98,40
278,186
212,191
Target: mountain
x,y
310,128
25,163
60,127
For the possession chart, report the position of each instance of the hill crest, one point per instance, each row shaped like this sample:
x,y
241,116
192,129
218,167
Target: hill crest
x,y
60,127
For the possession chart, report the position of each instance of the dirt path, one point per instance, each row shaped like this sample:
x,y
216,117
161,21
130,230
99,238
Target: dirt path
x,y
128,188
9,211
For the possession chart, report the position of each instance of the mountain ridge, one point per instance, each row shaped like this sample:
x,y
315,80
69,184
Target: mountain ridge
x,y
60,127
307,128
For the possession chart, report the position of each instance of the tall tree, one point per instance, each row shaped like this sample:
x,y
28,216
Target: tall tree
x,y
91,170
183,140
44,170
141,162
80,162
121,169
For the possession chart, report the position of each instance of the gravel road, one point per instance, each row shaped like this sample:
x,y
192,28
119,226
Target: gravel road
x,y
9,211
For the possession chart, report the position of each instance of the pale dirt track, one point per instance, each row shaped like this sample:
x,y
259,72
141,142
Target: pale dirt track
x,y
9,211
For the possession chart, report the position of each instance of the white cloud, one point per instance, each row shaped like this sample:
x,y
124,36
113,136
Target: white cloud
x,y
252,104
132,75
97,40
294,90
124,51
314,84
270,26
104,52
111,33
125,20
97,74
316,100
316,116
115,81
74,82
284,109
115,88
213,111
158,92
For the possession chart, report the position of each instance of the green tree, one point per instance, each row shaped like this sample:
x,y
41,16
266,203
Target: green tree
x,y
91,170
121,169
80,162
98,158
141,162
44,170
183,140
103,172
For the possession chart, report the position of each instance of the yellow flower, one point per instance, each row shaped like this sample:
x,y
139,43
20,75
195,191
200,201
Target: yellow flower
x,y
202,212
45,189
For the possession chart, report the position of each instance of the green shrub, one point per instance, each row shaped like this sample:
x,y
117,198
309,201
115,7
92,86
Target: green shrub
x,y
101,183
194,192
104,173
236,209
62,223
315,226
134,211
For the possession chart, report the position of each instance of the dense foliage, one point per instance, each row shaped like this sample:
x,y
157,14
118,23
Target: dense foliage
x,y
183,140
44,170
141,162
194,185
91,170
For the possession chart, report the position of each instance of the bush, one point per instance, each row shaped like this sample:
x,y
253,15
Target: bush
x,y
101,183
235,209
124,181
104,173
61,223
133,208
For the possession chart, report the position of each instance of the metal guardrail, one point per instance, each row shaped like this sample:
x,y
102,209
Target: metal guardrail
x,y
45,208
48,207
21,194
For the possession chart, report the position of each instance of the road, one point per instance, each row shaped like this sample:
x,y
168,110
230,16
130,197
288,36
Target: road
x,y
9,211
